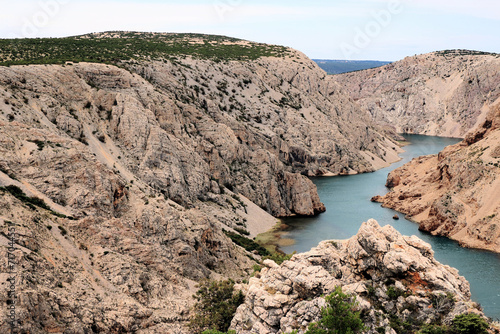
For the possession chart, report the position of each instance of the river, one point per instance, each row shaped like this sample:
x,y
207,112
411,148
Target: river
x,y
347,201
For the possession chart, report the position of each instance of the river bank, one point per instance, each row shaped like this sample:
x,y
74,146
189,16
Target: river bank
x,y
347,199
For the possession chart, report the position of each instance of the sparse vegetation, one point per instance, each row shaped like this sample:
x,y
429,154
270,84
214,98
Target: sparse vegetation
x,y
214,331
63,230
279,257
215,307
20,195
31,202
460,52
395,293
246,243
39,143
433,329
241,231
339,317
106,48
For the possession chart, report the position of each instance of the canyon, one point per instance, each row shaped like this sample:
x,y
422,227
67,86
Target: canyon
x,y
126,179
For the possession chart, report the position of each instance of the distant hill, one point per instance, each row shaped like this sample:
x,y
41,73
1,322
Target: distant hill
x,y
344,66
444,93
114,46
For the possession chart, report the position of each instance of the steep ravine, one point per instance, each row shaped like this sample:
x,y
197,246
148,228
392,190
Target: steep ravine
x,y
151,160
123,179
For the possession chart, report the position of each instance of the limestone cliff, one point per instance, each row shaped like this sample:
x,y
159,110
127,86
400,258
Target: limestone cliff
x,y
443,93
455,193
139,165
395,280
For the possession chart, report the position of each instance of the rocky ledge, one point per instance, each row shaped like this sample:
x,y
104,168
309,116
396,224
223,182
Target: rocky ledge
x,y
395,279
456,193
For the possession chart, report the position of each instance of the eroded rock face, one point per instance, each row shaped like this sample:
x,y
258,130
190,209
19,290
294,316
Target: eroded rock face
x,y
391,275
153,160
456,193
439,94
254,127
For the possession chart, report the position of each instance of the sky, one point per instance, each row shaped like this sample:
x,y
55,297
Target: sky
x,y
337,29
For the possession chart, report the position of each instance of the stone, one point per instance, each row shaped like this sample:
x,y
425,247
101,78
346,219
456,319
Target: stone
x,y
455,193
384,259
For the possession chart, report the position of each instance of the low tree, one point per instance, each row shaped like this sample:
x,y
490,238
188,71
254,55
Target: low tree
x,y
215,307
339,316
470,323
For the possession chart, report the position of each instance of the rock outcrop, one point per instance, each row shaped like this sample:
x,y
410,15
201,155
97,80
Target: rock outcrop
x,y
144,165
456,193
252,126
395,280
443,93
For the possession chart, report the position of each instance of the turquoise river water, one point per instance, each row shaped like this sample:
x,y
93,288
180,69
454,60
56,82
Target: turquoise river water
x,y
347,201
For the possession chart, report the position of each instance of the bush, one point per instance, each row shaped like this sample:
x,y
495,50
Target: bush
x,y
469,324
395,293
30,201
215,306
246,243
241,231
433,329
279,257
339,317
20,195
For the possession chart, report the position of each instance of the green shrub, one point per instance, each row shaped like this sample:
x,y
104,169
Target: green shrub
x,y
470,323
400,326
433,329
215,307
31,202
339,317
441,302
246,243
20,195
241,231
130,46
63,230
279,257
395,293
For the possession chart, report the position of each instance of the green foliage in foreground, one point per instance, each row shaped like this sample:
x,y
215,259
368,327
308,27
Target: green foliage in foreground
x,y
215,307
433,329
339,317
470,323
114,47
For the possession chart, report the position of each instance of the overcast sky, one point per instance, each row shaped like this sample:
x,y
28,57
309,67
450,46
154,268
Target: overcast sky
x,y
336,29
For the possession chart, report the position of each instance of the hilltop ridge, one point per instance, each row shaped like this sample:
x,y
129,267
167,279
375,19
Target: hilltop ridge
x,y
445,93
116,46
